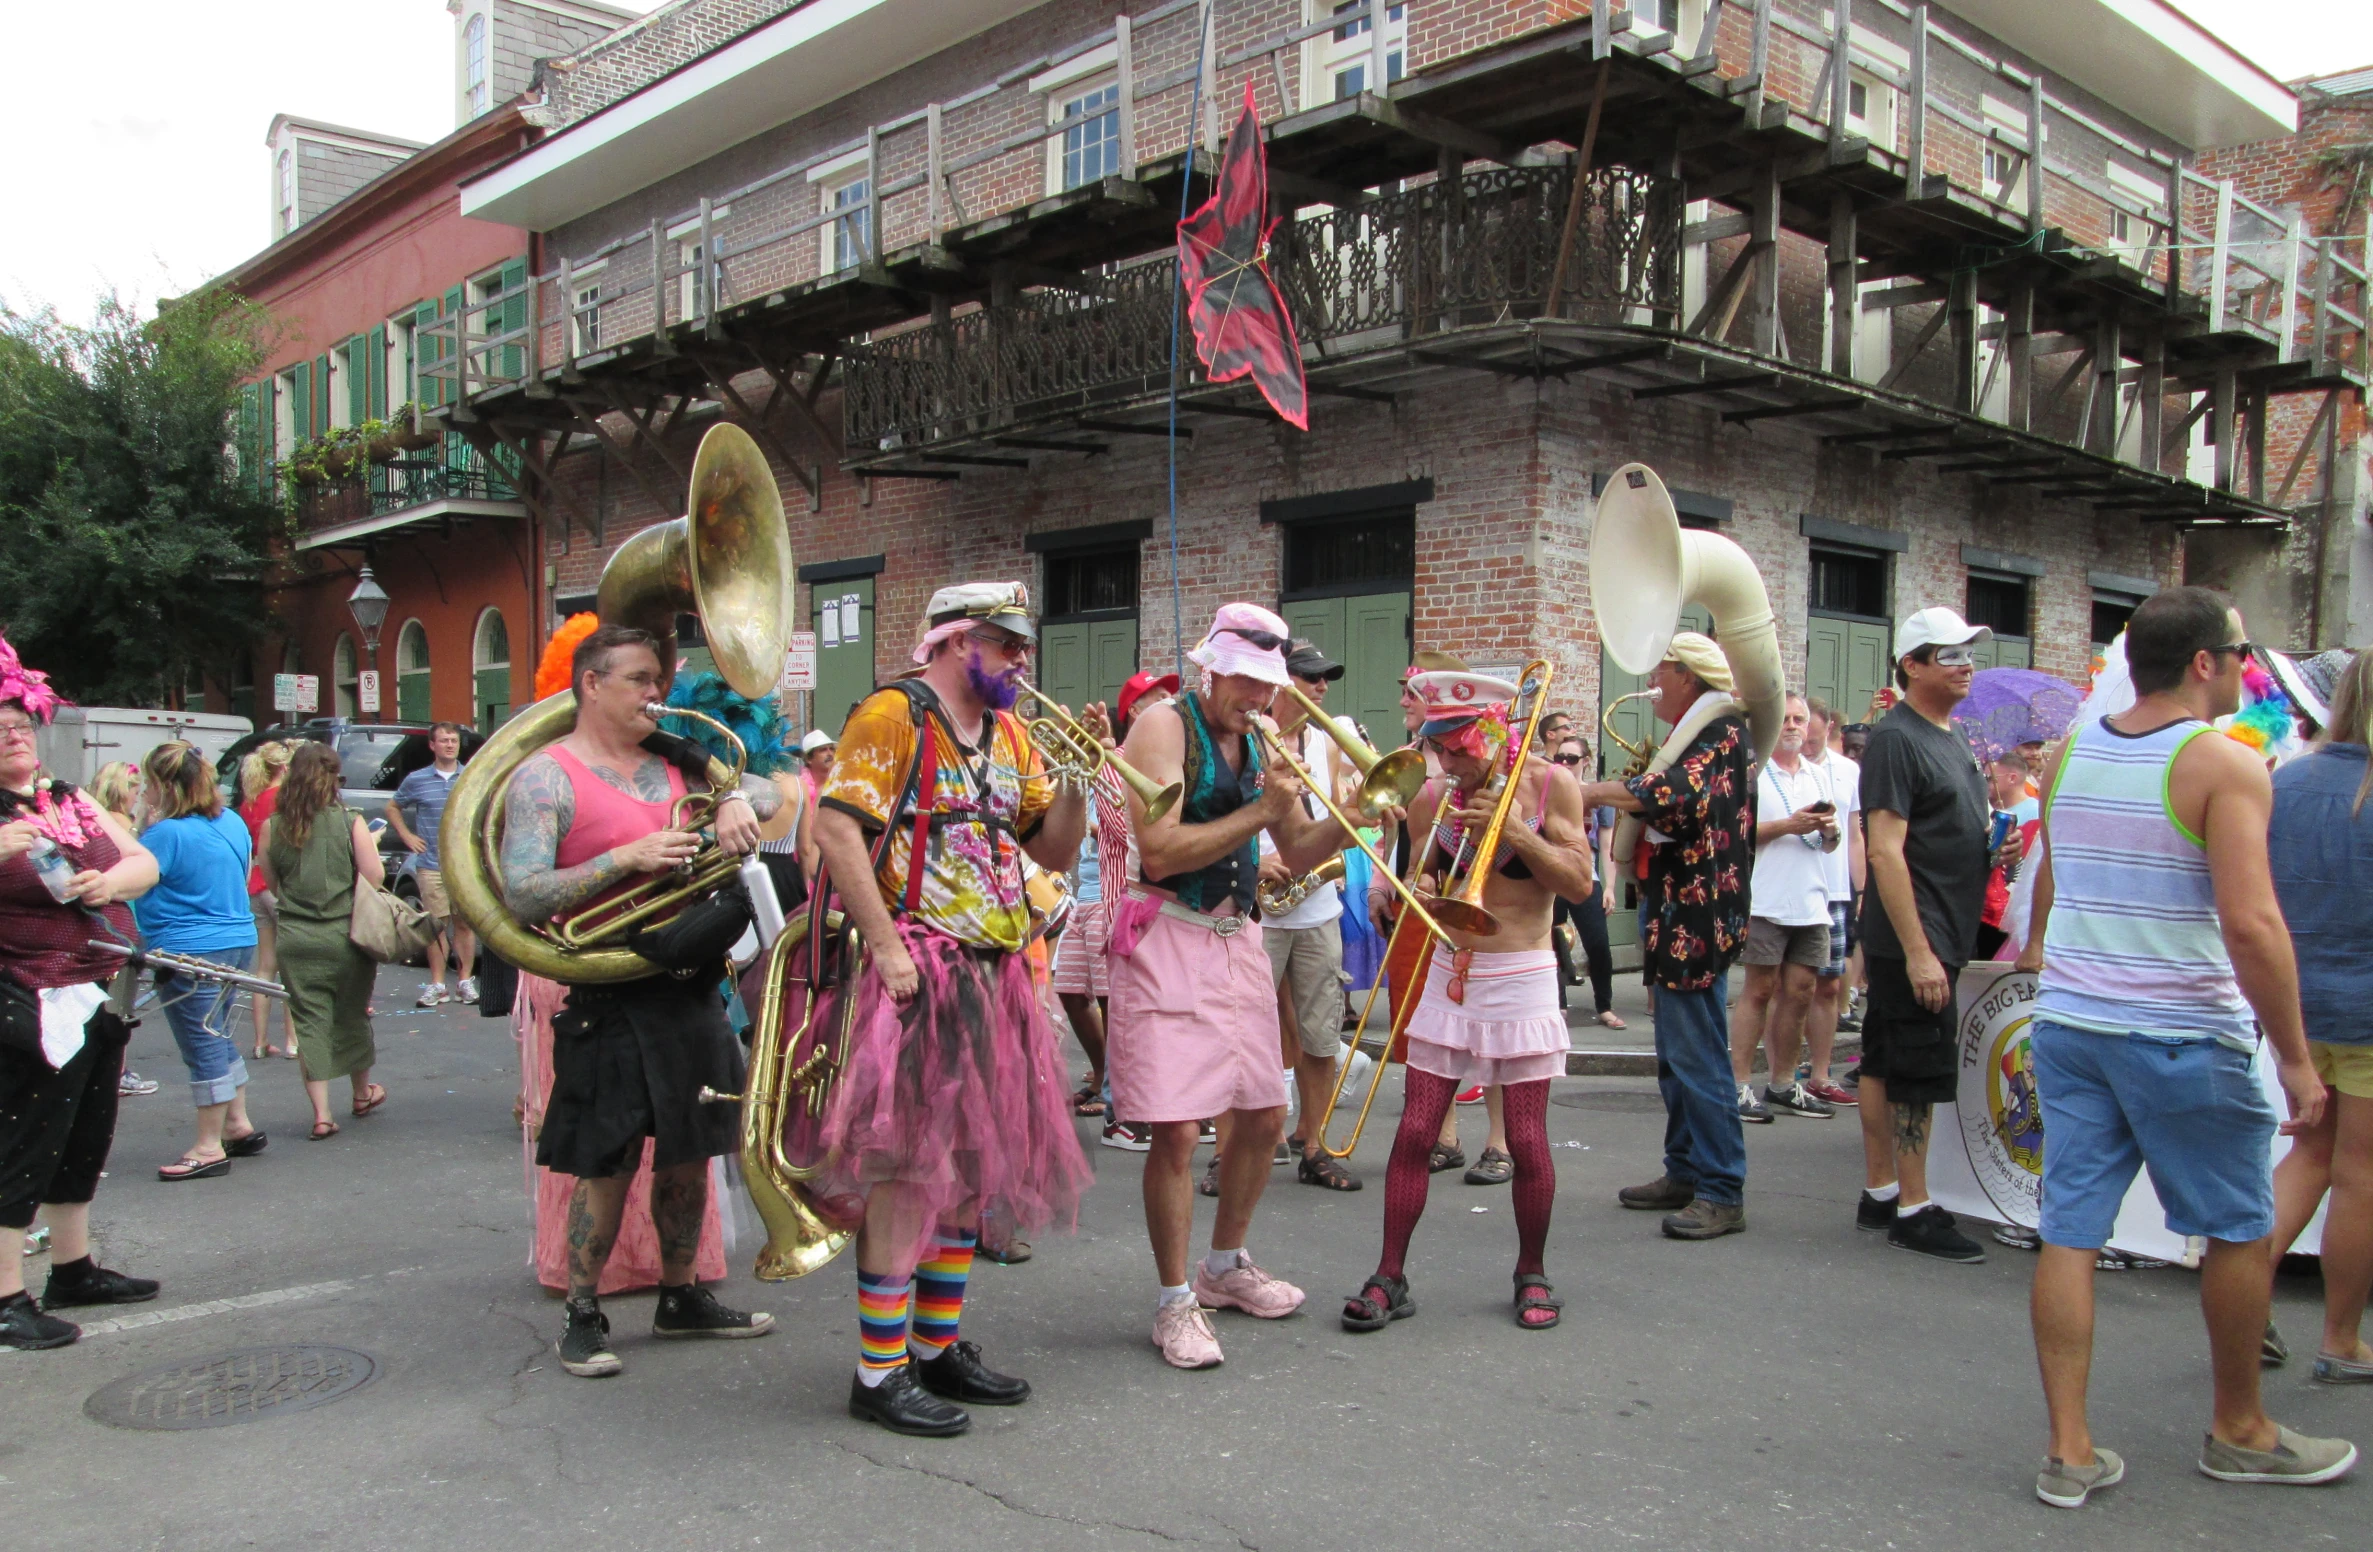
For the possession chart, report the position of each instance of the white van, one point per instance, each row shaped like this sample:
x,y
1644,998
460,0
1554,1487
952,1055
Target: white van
x,y
81,739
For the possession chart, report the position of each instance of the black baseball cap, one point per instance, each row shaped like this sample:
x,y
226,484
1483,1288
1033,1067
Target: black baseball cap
x,y
1304,661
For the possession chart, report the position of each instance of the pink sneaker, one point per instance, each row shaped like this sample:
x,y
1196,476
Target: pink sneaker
x,y
1183,1332
1246,1287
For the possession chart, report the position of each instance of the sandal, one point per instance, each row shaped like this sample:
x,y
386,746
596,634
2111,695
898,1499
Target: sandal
x,y
1543,1299
1317,1167
1012,1252
371,1098
323,1131
1363,1312
1492,1168
246,1147
1209,1184
1445,1156
1089,1101
1613,1020
190,1167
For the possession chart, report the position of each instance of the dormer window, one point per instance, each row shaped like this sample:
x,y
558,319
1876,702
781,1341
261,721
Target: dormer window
x,y
474,53
288,191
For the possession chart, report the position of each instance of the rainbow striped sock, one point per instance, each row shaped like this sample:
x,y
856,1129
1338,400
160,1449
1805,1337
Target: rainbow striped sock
x,y
939,1291
882,1305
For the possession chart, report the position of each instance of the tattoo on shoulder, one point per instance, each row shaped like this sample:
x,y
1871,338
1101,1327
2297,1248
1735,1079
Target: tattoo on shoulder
x,y
646,783
537,812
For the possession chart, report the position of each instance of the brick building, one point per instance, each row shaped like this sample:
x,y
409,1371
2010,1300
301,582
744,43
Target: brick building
x,y
2319,182
370,247
1819,278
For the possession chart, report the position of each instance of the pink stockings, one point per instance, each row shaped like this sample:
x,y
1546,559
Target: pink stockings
x,y
1425,1100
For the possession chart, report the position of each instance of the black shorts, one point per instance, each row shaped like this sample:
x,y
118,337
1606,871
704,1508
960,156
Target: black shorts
x,y
1904,1044
56,1126
628,1062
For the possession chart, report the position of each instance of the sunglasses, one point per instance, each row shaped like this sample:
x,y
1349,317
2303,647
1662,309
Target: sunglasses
x,y
1566,759
1011,646
2244,648
1265,640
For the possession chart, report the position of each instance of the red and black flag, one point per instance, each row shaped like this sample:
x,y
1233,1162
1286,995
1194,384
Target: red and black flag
x,y
1240,321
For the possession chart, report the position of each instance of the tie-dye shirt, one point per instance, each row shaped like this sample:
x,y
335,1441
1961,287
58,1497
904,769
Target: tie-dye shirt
x,y
985,806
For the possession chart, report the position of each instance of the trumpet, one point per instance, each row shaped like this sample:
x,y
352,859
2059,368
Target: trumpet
x,y
1386,780
1483,856
1641,753
1071,751
1278,898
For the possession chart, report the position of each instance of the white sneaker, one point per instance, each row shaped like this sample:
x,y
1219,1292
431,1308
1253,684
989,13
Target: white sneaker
x,y
467,988
432,994
1362,1064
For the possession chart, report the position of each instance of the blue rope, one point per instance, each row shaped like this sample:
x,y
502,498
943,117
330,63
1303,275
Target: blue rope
x,y
1186,185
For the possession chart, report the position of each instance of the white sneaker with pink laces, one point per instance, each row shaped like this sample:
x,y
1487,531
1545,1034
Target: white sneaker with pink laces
x,y
1182,1330
1246,1287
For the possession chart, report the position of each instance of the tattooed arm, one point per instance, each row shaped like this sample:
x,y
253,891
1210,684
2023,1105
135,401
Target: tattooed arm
x,y
537,812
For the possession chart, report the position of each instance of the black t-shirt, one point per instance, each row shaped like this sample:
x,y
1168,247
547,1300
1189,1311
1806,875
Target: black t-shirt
x,y
1929,776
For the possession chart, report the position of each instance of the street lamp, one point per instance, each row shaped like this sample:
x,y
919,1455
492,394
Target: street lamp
x,y
368,603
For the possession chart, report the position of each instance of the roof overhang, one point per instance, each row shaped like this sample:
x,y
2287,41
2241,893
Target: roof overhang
x,y
800,61
2147,59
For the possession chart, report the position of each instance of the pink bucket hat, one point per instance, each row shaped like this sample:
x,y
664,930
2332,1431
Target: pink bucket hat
x,y
1245,639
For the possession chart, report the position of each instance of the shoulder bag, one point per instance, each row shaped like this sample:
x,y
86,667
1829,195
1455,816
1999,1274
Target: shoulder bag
x,y
383,925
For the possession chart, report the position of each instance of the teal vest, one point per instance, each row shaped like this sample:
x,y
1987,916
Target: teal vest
x,y
1213,792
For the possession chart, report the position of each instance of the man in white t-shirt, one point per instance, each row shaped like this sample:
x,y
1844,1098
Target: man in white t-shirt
x,y
1796,828
1846,875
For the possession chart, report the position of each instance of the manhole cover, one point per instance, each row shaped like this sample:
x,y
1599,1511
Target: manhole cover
x,y
240,1387
1623,1100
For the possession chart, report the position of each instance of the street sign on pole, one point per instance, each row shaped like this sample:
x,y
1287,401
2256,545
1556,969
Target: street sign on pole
x,y
284,692
799,665
366,690
308,692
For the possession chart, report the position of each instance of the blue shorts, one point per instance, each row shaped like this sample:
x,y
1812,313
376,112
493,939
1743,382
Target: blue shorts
x,y
2191,1111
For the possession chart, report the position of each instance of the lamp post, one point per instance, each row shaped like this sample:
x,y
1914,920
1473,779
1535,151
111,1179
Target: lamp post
x,y
368,604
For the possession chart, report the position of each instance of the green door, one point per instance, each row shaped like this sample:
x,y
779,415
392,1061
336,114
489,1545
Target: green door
x,y
1845,662
1086,660
2005,652
844,649
1368,633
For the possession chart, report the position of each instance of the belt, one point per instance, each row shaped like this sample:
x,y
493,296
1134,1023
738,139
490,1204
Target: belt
x,y
1224,926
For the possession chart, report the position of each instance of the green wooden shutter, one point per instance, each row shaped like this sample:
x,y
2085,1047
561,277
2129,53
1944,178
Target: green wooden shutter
x,y
514,316
250,445
1825,664
426,348
321,394
1112,658
449,389
375,372
357,373
1376,630
300,395
1063,663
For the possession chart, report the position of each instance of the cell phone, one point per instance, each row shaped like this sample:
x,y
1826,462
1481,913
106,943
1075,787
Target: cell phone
x,y
1822,807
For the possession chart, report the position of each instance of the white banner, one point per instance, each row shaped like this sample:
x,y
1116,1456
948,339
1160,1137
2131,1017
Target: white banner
x,y
366,690
1988,1157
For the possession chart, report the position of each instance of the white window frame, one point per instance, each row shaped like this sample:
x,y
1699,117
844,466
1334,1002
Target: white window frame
x,y
833,181
285,173
284,415
477,63
401,390
2148,190
1327,57
691,272
585,292
1059,149
2008,122
341,409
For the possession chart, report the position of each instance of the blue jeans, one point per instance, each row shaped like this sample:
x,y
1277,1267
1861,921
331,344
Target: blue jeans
x,y
2191,1111
200,1015
1704,1145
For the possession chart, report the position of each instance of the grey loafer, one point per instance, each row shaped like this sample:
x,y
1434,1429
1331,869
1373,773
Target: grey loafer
x,y
2296,1460
2066,1487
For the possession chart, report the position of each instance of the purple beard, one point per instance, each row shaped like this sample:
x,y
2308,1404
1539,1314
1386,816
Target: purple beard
x,y
996,691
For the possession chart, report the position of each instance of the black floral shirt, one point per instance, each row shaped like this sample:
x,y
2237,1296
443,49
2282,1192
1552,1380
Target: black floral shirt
x,y
1693,907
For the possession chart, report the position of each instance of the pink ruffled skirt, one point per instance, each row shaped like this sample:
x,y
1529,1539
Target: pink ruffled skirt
x,y
958,1097
1508,1028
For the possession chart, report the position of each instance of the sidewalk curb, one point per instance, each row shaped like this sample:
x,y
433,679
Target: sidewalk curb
x,y
1642,1064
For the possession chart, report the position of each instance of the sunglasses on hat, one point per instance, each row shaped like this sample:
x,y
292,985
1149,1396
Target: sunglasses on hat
x,y
1265,640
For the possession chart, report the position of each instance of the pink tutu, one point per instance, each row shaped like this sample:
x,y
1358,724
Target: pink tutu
x,y
1508,1029
961,1096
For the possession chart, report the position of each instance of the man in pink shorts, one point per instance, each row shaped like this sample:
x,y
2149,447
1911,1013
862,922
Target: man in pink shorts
x,y
1194,1028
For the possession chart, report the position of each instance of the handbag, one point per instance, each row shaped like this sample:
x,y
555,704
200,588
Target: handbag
x,y
383,925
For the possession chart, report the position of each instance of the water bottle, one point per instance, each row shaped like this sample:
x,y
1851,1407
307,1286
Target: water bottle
x,y
56,873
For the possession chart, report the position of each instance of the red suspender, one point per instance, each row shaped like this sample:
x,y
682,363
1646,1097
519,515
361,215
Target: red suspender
x,y
925,794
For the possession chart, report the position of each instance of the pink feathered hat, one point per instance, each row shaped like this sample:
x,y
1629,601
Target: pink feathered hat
x,y
28,687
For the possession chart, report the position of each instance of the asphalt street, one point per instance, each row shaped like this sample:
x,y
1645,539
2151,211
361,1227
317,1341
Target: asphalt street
x,y
1798,1386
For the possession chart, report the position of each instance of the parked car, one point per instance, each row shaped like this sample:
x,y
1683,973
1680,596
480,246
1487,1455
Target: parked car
x,y
372,758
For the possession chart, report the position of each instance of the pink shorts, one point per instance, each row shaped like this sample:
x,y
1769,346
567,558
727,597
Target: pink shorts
x,y
1193,1031
1508,1030
1083,955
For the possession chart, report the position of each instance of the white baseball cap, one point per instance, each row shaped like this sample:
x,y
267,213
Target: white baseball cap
x,y
1936,627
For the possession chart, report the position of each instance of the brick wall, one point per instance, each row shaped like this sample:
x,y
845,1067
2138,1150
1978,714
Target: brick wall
x,y
636,55
524,34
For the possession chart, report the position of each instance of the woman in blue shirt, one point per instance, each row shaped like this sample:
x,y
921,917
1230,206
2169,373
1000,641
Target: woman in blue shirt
x,y
2320,845
199,907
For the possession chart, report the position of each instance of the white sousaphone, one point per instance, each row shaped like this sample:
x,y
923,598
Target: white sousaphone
x,y
1645,569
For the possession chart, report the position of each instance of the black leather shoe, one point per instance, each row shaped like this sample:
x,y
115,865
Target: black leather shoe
x,y
959,1375
902,1405
91,1283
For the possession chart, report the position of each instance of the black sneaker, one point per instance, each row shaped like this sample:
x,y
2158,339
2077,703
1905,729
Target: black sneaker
x,y
1751,1109
87,1282
24,1327
959,1375
1796,1099
694,1311
1873,1216
585,1346
1931,1232
902,1405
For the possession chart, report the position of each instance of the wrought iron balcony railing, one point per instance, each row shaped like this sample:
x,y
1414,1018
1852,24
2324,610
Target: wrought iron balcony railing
x,y
397,486
1398,267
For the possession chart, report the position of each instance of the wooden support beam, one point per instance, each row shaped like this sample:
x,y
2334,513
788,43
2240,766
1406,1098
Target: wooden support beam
x,y
1375,107
2254,433
1049,445
2101,430
1784,411
2315,428
1915,150
1891,434
1935,449
1928,331
2224,400
591,421
1709,385
1902,296
1125,428
720,380
2151,396
983,460
910,474
2018,354
1721,301
1340,391
1985,465
1845,316
1763,320
1715,228
1961,313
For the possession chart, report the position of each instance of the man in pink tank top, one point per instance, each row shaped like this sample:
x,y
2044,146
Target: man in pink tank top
x,y
629,1059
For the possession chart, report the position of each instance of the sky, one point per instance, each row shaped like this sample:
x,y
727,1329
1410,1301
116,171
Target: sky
x,y
136,129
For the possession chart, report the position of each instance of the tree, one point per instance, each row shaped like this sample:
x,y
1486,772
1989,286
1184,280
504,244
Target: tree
x,y
131,554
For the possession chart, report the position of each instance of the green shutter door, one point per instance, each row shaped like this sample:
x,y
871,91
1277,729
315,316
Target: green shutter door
x,y
844,655
448,388
424,351
412,698
514,316
494,697
1867,667
358,380
375,373
321,394
1825,664
1064,664
1369,635
300,402
1112,658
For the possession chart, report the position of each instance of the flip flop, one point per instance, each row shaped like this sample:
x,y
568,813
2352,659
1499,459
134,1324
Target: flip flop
x,y
246,1147
322,1131
1612,1020
190,1167
378,1097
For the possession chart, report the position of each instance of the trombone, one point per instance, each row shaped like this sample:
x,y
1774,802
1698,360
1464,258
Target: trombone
x,y
1386,780
1070,750
1483,856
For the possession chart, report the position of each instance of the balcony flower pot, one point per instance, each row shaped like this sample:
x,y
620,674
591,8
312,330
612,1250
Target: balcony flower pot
x,y
411,441
338,462
307,474
384,447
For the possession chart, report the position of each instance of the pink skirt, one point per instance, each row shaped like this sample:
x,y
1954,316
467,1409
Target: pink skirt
x,y
960,1096
1508,1029
634,1259
1193,1031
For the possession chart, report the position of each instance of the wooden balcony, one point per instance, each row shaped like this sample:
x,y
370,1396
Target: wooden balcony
x,y
404,493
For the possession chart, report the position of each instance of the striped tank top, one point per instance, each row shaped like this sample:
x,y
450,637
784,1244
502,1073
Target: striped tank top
x,y
2132,944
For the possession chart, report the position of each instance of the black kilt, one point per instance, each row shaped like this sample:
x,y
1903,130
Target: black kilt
x,y
628,1062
